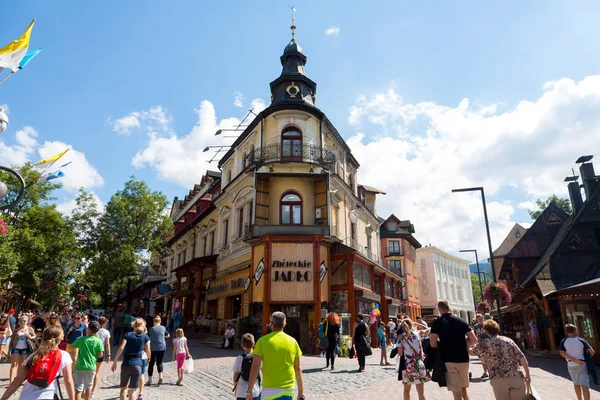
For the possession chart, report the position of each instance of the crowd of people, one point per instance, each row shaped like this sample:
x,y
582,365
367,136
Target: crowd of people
x,y
45,348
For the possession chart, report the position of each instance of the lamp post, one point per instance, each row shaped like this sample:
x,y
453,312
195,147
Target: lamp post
x,y
489,239
19,191
478,272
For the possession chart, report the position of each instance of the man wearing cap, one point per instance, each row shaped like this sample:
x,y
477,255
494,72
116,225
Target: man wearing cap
x,y
90,350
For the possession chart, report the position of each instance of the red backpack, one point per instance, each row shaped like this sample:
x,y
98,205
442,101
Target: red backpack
x,y
45,371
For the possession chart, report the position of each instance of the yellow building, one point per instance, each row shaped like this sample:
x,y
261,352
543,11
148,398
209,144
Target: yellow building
x,y
293,230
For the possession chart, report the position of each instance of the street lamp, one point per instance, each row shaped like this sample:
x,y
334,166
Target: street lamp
x,y
478,272
489,239
16,193
3,120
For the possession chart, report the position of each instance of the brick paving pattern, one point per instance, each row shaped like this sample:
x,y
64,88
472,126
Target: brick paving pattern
x,y
212,380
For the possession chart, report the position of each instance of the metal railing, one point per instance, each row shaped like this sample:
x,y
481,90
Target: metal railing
x,y
276,153
393,251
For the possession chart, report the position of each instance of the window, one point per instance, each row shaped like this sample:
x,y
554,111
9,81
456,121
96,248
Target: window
x,y
250,213
291,144
396,267
204,240
291,209
228,177
240,222
225,232
393,248
388,288
183,257
212,243
179,260
244,161
351,182
377,285
368,244
353,232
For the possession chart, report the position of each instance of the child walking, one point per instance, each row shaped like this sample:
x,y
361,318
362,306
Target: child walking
x,y
241,371
180,353
381,335
577,352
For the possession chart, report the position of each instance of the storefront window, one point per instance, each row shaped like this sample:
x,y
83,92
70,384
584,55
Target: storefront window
x,y
579,315
339,273
339,301
388,288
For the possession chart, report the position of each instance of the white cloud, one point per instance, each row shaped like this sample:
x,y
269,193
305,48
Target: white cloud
x,y
334,30
156,118
80,173
181,159
238,99
22,150
428,149
67,207
257,105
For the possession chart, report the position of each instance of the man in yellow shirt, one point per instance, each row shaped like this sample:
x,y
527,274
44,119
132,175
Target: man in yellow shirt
x,y
279,355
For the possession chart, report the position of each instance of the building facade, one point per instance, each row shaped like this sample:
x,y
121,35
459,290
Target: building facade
x,y
444,277
399,253
284,226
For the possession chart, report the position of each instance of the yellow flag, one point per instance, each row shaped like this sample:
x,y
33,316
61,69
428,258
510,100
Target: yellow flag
x,y
52,159
12,54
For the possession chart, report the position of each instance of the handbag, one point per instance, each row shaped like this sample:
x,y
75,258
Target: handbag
x,y
351,352
529,392
31,345
365,346
323,343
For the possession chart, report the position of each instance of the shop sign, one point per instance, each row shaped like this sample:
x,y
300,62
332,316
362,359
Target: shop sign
x,y
247,284
260,268
237,283
294,275
218,288
323,271
346,315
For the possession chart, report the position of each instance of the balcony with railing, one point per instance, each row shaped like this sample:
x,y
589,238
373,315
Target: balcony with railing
x,y
391,251
254,231
307,153
363,250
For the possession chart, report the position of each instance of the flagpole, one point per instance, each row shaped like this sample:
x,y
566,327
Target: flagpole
x,y
7,76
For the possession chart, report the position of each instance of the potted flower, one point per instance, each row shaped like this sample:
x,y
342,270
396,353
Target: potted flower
x,y
496,292
483,307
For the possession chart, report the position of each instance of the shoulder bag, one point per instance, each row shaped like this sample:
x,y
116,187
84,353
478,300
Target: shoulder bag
x,y
323,343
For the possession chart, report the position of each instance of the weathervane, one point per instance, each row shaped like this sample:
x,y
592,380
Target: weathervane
x,y
293,27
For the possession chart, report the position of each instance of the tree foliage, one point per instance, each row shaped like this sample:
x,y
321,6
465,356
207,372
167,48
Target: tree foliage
x,y
119,240
560,202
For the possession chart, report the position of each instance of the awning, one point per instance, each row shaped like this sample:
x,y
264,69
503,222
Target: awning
x,y
163,288
394,302
367,294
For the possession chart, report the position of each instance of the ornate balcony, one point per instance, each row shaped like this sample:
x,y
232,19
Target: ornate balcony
x,y
307,153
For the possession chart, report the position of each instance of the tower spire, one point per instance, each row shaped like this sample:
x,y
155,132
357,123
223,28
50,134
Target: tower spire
x,y
293,27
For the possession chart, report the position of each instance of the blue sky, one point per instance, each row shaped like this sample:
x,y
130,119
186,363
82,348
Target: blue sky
x,y
409,64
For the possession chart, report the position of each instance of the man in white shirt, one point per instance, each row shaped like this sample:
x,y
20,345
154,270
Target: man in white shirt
x,y
392,331
572,349
229,337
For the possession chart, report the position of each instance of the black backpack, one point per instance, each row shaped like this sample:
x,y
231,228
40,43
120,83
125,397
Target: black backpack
x,y
247,359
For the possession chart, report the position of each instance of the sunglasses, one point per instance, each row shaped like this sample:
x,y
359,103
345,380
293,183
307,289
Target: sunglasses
x,y
23,320
77,317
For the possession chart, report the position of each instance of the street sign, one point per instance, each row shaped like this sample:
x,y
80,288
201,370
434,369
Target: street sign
x,y
323,271
260,268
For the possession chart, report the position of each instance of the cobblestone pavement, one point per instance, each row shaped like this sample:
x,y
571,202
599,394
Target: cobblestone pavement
x,y
212,380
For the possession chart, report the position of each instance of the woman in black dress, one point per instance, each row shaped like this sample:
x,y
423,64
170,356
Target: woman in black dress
x,y
332,331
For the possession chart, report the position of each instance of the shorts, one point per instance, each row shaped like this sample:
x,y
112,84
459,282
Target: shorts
x,y
3,341
457,376
83,380
131,374
20,352
180,360
144,364
579,375
508,388
383,346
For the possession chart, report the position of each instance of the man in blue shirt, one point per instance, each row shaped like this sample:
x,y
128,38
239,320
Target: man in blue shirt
x,y
11,318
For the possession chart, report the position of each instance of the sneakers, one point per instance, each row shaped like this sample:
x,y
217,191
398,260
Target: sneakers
x,y
485,375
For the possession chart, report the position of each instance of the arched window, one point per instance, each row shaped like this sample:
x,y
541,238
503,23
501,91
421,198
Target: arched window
x,y
291,209
291,144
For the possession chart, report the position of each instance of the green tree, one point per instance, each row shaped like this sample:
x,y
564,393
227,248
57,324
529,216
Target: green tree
x,y
121,239
560,202
475,287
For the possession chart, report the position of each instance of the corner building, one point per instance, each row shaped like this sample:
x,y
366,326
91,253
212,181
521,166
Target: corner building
x,y
293,230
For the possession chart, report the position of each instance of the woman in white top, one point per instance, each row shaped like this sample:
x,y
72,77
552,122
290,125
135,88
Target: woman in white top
x,y
52,336
104,336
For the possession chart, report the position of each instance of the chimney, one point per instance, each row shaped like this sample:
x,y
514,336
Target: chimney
x,y
588,178
575,194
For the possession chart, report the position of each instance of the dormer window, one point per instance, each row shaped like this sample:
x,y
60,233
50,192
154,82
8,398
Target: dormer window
x,y
291,144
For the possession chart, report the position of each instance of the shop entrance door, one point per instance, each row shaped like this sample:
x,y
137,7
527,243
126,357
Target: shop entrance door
x,y
211,311
233,307
297,324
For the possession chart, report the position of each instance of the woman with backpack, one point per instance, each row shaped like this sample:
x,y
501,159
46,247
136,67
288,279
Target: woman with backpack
x,y
414,372
42,369
22,344
332,332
